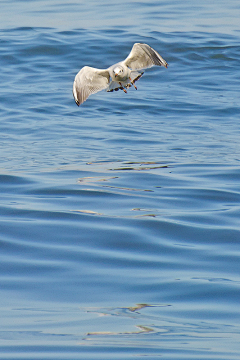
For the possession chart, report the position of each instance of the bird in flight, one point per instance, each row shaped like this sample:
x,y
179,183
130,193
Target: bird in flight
x,y
121,76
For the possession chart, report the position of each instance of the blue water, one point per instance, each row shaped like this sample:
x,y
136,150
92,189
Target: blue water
x,y
120,219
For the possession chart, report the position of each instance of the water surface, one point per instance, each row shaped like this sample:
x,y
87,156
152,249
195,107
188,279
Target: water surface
x,y
119,220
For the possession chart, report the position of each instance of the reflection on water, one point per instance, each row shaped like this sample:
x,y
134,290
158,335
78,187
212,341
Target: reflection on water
x,y
152,331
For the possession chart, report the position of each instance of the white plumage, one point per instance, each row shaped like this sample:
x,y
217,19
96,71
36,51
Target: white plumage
x,y
118,76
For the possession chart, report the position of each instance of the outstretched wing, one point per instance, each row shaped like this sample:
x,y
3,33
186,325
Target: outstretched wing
x,y
142,56
89,81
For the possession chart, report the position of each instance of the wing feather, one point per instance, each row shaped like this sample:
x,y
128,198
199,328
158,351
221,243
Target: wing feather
x,y
89,81
142,56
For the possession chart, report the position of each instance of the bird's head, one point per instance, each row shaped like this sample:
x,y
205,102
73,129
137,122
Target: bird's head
x,y
118,71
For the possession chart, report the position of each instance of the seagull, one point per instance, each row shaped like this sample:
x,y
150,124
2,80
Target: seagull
x,y
121,76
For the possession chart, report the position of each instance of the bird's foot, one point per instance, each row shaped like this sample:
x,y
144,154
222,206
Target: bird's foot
x,y
122,88
132,82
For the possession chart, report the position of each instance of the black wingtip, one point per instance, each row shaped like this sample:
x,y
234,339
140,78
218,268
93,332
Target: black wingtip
x,y
76,100
75,96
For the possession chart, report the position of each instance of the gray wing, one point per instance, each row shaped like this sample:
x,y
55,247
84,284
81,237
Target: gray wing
x,y
89,81
142,56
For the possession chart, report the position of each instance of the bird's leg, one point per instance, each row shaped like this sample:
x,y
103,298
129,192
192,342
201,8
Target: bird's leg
x,y
122,87
132,82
